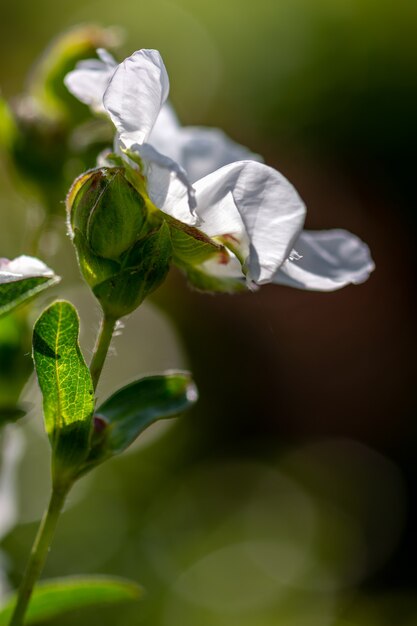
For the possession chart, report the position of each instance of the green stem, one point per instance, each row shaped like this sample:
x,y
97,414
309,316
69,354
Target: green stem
x,y
50,519
38,555
102,346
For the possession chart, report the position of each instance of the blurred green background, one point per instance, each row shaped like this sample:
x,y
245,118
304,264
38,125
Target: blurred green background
x,y
288,496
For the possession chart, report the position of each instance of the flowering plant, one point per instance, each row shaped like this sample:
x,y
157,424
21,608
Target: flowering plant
x,y
249,208
162,194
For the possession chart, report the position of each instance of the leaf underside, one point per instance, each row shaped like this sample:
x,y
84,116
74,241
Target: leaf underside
x,y
18,292
130,410
54,597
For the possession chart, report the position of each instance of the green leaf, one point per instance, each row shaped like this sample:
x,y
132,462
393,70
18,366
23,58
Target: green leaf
x,y
129,411
65,382
54,597
17,292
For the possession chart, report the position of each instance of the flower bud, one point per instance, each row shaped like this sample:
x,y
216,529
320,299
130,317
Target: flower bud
x,y
108,211
123,247
46,81
46,133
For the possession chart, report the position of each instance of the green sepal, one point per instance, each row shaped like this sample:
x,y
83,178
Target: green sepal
x,y
144,268
94,268
190,245
52,598
17,292
129,411
203,281
67,388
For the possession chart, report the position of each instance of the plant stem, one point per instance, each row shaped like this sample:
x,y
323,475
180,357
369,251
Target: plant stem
x,y
50,519
38,555
101,348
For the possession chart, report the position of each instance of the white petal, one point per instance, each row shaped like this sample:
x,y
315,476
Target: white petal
x,y
231,268
168,186
164,132
135,95
204,150
200,151
107,58
252,201
330,260
89,80
22,267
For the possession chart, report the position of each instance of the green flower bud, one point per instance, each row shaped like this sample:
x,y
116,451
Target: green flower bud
x,y
108,210
46,134
123,243
46,81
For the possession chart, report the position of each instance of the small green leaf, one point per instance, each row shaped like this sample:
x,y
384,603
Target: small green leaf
x,y
65,382
55,597
129,411
17,292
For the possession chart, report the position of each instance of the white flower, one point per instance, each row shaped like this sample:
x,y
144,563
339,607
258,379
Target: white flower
x,y
23,267
249,207
198,150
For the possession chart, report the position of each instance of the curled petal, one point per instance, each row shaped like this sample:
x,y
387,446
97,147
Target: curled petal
x,y
89,81
135,94
330,259
167,184
258,206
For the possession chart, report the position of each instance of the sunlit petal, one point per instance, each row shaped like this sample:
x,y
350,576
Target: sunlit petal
x,y
167,184
164,132
89,80
330,259
255,204
135,95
